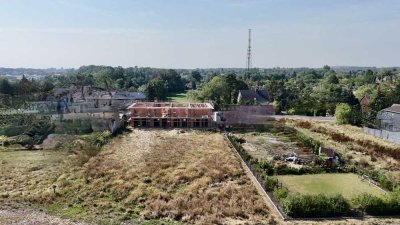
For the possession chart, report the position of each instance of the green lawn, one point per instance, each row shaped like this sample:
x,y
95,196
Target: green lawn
x,y
349,185
178,97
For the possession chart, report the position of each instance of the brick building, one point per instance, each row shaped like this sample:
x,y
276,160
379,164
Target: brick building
x,y
171,115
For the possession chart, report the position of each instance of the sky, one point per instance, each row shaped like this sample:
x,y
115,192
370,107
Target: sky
x,y
199,33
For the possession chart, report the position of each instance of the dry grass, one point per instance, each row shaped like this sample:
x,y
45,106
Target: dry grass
x,y
192,177
160,175
28,174
356,146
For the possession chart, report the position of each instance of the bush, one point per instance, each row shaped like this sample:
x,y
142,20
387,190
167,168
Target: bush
x,y
271,184
281,193
285,170
374,205
346,114
304,124
380,177
309,142
315,205
266,168
99,139
3,140
23,140
343,113
11,131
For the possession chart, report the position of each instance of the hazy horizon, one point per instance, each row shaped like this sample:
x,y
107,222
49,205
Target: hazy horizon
x,y
199,34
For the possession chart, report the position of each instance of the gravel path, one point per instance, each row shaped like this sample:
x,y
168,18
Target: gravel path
x,y
11,215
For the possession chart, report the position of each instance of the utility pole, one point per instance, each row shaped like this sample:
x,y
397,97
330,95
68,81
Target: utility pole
x,y
248,63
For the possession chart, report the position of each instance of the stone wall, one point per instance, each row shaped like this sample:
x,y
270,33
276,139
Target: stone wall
x,y
384,134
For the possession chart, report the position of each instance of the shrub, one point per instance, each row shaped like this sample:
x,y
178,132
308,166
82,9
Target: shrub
x,y
343,113
309,142
315,205
270,184
381,178
283,169
99,139
281,193
374,205
3,140
303,124
266,167
346,114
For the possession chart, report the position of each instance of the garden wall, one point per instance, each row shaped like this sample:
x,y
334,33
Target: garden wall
x,y
384,134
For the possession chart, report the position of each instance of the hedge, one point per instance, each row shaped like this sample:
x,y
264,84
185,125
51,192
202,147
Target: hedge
x,y
375,205
304,206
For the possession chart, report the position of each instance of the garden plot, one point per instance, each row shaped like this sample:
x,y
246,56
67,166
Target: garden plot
x,y
267,146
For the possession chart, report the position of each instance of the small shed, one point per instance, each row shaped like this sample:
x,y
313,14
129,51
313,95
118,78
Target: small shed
x,y
329,153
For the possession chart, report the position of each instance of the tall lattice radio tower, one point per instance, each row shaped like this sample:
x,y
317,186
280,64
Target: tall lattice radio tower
x,y
248,62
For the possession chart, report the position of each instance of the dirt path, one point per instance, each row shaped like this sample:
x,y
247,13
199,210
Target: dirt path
x,y
11,215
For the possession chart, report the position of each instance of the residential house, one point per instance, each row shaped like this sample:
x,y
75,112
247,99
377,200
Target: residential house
x,y
389,118
253,97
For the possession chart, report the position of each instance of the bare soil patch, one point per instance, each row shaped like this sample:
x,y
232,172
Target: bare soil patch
x,y
20,216
266,146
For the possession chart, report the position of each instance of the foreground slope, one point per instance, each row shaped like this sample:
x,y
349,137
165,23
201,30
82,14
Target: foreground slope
x,y
191,177
154,176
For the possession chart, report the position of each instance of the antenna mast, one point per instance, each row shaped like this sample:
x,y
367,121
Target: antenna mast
x,y
248,64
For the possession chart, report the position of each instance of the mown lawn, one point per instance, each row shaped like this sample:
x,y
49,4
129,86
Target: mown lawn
x,y
349,185
178,97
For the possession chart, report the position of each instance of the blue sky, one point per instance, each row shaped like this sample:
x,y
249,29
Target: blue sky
x,y
199,34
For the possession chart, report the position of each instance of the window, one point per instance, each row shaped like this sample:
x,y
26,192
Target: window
x,y
176,123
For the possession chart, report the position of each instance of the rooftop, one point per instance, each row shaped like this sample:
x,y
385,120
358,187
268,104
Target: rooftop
x,y
394,108
260,95
328,152
171,105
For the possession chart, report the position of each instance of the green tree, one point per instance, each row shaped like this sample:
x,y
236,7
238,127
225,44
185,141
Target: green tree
x,y
6,87
215,90
343,113
103,79
156,90
234,85
196,75
333,79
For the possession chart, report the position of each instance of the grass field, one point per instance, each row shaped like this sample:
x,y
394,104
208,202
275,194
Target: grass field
x,y
349,185
179,97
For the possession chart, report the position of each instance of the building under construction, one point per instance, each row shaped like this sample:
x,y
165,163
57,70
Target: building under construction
x,y
171,115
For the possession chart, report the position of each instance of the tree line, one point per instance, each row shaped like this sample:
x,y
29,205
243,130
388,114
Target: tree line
x,y
300,91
